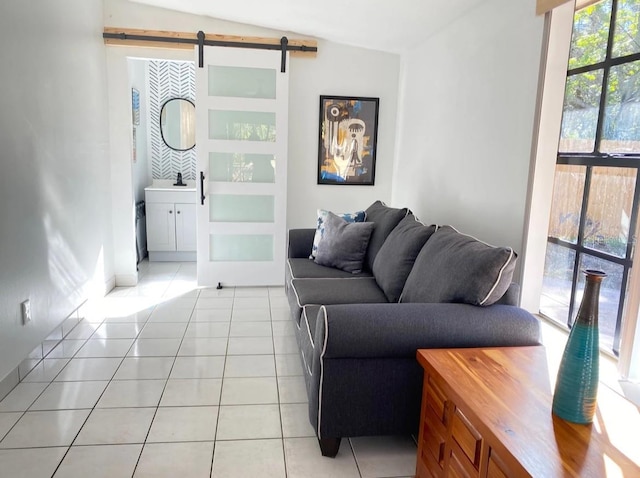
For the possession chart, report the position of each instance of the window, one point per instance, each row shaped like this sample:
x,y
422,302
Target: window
x,y
596,188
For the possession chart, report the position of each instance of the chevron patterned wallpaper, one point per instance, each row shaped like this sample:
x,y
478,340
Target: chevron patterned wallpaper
x,y
167,80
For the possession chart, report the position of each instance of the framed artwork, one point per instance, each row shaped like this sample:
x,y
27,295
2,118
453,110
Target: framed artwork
x,y
347,140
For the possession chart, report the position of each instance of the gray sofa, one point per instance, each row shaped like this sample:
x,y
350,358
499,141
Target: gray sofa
x,y
358,332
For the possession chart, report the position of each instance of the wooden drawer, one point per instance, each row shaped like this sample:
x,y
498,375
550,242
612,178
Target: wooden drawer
x,y
434,444
428,467
467,437
433,424
459,465
437,401
495,467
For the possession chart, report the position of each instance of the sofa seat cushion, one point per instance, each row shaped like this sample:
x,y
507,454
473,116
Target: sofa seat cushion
x,y
362,290
398,253
309,319
307,269
385,218
454,267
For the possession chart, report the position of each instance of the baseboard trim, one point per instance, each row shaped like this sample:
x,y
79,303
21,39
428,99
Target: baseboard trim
x,y
110,284
125,280
13,378
9,382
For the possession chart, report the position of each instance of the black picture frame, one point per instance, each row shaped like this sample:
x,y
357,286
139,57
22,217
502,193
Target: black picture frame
x,y
347,140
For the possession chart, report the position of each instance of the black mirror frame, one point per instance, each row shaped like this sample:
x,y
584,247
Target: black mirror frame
x,y
160,121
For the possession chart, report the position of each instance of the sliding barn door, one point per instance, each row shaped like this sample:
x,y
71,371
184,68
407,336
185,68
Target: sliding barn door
x,y
241,142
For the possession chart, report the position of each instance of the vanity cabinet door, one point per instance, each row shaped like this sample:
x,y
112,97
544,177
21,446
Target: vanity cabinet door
x,y
185,227
161,227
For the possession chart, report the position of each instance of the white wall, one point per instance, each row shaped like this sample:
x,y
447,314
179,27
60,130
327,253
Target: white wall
x,y
464,139
55,245
337,69
344,71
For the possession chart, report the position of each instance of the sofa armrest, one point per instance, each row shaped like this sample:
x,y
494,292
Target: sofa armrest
x,y
300,243
398,330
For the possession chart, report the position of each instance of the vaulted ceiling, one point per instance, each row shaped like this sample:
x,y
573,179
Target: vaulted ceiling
x,y
392,26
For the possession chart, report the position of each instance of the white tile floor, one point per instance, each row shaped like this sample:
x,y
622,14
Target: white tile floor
x,y
166,380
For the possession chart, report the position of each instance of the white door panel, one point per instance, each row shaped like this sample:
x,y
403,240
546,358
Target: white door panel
x,y
242,151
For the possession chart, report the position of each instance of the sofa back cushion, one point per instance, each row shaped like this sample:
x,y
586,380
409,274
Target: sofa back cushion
x,y
385,218
454,267
395,258
344,244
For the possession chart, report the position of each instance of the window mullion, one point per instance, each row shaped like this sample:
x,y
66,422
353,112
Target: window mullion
x,y
605,75
626,313
579,242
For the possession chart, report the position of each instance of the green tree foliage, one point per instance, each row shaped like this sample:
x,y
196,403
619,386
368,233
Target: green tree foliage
x,y
583,91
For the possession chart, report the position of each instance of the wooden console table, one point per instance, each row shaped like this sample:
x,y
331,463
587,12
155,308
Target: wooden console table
x,y
487,413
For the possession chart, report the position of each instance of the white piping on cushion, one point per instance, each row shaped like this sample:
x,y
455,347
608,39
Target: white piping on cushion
x,y
332,278
475,238
504,266
290,270
408,211
306,365
324,278
499,277
306,321
296,294
322,352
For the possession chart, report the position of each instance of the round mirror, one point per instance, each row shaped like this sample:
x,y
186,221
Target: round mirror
x,y
178,124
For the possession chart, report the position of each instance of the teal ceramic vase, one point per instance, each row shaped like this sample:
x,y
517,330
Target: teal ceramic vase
x,y
576,390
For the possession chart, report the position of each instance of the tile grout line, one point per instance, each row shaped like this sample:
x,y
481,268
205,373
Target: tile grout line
x,y
225,362
224,366
98,400
155,413
273,342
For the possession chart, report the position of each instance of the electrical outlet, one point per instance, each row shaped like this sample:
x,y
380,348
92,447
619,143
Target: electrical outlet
x,y
26,312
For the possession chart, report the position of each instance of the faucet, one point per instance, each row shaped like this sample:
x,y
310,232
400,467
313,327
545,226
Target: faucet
x,y
179,181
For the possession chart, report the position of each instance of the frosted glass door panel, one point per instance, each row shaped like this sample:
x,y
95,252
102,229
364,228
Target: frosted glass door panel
x,y
241,248
242,167
239,208
242,125
240,82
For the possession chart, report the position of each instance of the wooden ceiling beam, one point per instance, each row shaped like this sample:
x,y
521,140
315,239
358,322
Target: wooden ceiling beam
x,y
543,6
154,39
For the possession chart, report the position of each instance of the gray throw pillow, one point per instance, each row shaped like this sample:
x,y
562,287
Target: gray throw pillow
x,y
344,244
347,216
385,219
453,267
395,259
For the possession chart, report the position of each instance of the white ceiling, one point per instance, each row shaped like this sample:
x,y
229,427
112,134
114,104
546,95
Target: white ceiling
x,y
385,25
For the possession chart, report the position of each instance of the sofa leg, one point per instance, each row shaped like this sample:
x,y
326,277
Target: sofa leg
x,y
329,446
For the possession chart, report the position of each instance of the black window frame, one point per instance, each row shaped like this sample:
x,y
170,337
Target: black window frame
x,y
598,159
